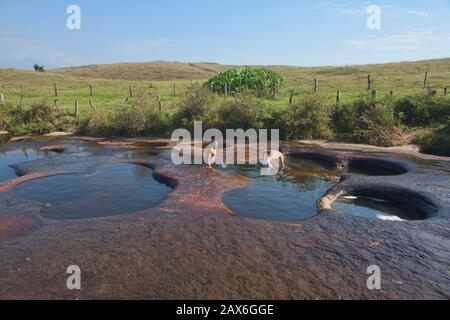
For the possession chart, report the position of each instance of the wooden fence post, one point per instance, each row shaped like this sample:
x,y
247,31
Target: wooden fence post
x,y
56,89
92,105
174,90
21,89
226,90
158,98
391,93
316,85
338,96
291,97
369,82
2,98
91,93
445,91
130,91
425,80
76,108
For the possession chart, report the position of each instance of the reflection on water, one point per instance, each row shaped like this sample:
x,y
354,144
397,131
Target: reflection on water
x,y
370,208
290,195
139,154
17,156
114,190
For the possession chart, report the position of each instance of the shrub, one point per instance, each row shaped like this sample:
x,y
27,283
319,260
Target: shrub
x,y
308,118
40,118
439,110
254,80
413,110
344,120
366,121
378,126
437,142
96,125
10,116
140,118
243,112
197,104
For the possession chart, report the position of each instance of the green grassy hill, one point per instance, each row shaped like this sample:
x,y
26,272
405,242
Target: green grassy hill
x,y
111,82
168,81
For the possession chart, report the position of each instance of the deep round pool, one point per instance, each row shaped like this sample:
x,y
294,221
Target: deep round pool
x,y
113,190
291,195
370,208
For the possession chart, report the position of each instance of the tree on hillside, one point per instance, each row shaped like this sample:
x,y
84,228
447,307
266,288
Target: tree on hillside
x,y
39,68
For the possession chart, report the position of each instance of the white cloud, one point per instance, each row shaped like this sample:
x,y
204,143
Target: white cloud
x,y
422,14
408,40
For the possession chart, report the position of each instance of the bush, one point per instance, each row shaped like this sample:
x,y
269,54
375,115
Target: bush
x,y
422,110
344,120
197,104
366,121
96,125
40,118
141,118
439,110
248,79
10,116
244,112
413,110
308,118
437,142
378,126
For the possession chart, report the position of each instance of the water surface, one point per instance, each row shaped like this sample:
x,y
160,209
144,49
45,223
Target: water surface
x,y
291,195
113,190
9,158
371,208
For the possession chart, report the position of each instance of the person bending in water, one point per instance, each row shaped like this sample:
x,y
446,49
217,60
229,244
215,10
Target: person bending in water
x,y
212,154
270,157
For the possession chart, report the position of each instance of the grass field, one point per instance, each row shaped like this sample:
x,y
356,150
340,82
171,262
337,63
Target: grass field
x,y
414,114
111,82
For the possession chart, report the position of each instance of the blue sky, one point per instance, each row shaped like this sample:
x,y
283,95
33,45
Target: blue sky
x,y
288,32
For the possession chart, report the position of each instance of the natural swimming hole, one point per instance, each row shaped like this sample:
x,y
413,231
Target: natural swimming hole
x,y
113,190
293,193
119,189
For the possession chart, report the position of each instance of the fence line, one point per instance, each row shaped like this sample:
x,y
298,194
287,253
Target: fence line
x,y
227,91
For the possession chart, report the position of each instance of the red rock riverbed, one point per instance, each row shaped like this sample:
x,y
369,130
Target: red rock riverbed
x,y
191,246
